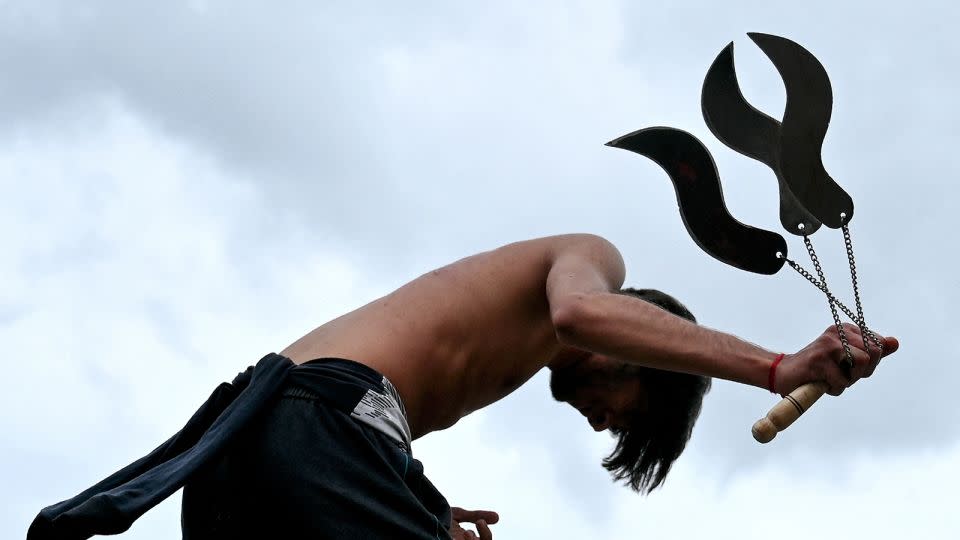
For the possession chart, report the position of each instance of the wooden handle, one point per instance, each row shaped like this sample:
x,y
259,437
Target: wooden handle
x,y
789,409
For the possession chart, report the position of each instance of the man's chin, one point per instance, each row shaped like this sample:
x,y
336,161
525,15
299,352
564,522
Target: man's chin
x,y
562,387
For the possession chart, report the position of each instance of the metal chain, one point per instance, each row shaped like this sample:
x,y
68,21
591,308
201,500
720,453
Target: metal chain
x,y
853,317
830,300
804,273
862,323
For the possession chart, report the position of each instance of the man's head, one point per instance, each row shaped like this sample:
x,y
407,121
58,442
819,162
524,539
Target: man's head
x,y
651,412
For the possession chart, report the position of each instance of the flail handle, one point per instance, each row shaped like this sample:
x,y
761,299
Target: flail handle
x,y
787,411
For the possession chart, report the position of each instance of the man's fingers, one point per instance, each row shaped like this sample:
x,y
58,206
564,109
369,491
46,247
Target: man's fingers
x,y
875,355
852,329
836,381
862,362
484,531
866,357
459,514
836,376
890,345
865,362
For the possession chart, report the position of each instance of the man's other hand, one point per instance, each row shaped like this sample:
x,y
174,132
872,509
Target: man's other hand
x,y
480,518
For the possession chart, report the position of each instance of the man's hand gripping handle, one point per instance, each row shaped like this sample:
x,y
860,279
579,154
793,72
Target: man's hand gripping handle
x,y
815,371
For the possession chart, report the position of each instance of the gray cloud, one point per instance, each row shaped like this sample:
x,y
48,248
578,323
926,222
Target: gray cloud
x,y
415,136
407,138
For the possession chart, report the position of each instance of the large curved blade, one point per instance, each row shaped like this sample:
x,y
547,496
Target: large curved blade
x,y
751,132
804,126
700,198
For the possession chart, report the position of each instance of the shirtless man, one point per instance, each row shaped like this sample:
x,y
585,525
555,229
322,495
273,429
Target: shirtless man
x,y
330,456
464,336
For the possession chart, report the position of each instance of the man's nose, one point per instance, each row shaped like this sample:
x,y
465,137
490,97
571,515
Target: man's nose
x,y
599,422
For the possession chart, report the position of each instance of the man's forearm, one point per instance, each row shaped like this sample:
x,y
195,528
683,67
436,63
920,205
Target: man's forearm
x,y
636,331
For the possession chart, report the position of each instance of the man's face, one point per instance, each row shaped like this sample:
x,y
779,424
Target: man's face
x,y
601,389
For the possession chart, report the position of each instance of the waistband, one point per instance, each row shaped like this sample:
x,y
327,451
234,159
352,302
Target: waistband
x,y
355,389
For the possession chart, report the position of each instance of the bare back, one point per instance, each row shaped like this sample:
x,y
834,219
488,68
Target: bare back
x,y
455,339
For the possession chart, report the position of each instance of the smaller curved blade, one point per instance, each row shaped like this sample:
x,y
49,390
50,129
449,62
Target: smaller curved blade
x,y
700,198
749,131
804,126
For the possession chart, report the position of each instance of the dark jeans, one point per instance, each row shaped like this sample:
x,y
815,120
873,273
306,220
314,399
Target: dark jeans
x,y
310,469
271,454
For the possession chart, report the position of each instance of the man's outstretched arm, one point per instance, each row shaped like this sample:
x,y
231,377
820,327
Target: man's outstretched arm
x,y
588,314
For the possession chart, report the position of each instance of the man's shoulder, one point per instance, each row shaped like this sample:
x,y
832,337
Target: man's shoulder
x,y
567,241
542,253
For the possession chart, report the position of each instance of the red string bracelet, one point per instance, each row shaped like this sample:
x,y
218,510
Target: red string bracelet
x,y
773,373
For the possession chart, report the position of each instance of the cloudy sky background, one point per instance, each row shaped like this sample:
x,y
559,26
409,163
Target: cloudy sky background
x,y
185,188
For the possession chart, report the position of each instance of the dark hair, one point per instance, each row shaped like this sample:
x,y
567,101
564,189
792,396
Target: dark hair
x,y
656,437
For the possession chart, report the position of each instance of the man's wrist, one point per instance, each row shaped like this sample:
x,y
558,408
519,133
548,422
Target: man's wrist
x,y
772,375
760,364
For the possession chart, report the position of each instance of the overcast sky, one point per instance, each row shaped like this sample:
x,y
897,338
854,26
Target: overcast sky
x,y
186,186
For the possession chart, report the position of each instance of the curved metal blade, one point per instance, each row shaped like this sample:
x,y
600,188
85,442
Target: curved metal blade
x,y
751,132
804,126
700,198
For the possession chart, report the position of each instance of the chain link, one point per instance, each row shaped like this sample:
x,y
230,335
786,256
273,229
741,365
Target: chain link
x,y
830,300
853,317
862,323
